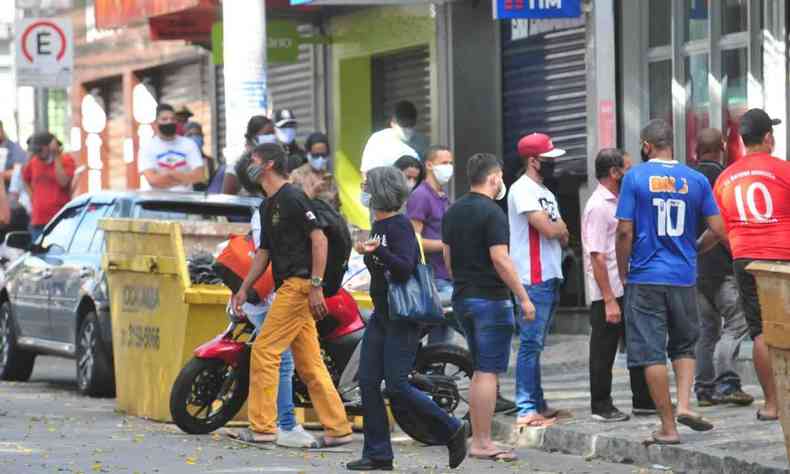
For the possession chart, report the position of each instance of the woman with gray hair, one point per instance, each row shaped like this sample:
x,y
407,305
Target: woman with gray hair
x,y
390,347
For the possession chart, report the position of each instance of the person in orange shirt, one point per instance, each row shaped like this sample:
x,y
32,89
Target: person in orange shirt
x,y
753,195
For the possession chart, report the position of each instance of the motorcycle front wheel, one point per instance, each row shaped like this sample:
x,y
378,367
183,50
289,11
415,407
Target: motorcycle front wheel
x,y
453,367
207,394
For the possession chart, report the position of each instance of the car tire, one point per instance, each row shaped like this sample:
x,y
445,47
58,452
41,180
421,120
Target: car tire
x,y
15,364
94,370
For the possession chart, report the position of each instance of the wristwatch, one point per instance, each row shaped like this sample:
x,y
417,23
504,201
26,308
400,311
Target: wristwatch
x,y
316,282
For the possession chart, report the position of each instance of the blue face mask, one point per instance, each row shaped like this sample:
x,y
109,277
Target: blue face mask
x,y
266,138
198,141
317,162
364,198
254,172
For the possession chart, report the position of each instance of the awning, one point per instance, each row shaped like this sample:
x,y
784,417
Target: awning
x,y
119,13
191,24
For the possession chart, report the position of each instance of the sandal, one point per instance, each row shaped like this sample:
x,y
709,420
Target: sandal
x,y
504,456
249,436
761,417
696,423
654,439
321,443
538,421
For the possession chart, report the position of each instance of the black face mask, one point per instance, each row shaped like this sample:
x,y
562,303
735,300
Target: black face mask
x,y
645,156
167,129
546,170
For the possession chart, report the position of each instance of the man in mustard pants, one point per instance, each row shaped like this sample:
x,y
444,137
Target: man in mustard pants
x,y
297,246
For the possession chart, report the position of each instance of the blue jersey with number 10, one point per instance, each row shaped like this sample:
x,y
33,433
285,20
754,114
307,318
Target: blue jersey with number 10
x,y
665,200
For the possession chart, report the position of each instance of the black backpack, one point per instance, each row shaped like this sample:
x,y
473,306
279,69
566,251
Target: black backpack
x,y
338,245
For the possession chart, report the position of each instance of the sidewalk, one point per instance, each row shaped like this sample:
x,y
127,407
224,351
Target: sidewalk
x,y
739,443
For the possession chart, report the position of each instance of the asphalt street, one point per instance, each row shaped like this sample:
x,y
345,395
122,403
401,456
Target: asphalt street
x,y
46,427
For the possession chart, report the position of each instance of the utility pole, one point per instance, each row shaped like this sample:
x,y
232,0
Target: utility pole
x,y
244,52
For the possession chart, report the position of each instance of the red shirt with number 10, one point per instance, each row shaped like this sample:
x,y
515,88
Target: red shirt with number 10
x,y
753,195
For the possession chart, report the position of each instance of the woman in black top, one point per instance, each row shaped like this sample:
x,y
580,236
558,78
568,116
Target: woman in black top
x,y
390,347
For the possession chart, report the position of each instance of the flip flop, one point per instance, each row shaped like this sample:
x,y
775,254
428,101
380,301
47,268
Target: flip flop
x,y
321,445
538,423
504,456
654,439
696,423
761,417
248,436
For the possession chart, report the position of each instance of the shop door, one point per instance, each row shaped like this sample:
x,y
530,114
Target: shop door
x,y
544,90
115,134
405,75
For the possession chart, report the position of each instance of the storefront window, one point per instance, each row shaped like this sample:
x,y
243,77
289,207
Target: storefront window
x,y
734,97
697,15
660,77
697,101
660,25
734,16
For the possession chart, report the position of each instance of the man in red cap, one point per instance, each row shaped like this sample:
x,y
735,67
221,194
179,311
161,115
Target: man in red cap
x,y
537,235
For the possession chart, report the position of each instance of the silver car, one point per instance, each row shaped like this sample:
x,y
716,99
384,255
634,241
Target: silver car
x,y
54,298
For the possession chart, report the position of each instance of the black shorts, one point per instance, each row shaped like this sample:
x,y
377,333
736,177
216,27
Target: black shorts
x,y
747,290
660,320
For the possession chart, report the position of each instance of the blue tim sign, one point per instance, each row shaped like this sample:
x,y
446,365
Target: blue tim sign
x,y
300,2
506,9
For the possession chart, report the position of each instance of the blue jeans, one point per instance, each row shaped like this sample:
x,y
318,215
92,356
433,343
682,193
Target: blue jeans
x,y
286,419
442,334
488,327
388,352
529,390
35,232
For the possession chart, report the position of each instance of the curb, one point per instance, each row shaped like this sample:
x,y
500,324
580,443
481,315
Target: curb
x,y
566,439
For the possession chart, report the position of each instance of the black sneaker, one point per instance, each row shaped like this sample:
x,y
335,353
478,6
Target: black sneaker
x,y
503,404
645,411
456,447
610,416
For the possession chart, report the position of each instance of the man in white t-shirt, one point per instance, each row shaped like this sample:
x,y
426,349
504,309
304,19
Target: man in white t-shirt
x,y
400,139
537,235
169,161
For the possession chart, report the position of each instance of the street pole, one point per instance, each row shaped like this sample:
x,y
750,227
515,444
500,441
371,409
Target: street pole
x,y
244,52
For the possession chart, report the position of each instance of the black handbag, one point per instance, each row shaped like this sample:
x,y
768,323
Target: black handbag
x,y
417,300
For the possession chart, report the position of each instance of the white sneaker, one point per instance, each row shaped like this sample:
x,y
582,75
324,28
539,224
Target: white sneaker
x,y
296,438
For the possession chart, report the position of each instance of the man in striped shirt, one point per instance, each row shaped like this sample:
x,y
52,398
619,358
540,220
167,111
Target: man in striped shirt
x,y
537,235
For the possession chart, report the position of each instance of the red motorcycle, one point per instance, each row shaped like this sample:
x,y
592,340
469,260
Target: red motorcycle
x,y
213,386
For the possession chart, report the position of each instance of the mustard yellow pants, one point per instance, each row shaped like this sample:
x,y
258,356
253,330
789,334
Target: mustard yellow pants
x,y
290,324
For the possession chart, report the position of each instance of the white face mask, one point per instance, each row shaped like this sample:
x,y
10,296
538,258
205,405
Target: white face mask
x,y
443,173
404,133
285,135
266,138
502,191
412,183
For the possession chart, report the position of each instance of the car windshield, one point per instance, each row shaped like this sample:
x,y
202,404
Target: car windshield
x,y
192,211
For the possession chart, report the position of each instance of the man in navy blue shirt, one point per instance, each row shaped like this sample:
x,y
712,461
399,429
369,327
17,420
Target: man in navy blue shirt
x,y
661,205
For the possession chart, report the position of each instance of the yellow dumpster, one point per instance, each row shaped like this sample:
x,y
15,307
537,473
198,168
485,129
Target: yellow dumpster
x,y
158,316
773,287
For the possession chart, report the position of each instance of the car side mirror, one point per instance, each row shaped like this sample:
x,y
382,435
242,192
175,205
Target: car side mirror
x,y
19,240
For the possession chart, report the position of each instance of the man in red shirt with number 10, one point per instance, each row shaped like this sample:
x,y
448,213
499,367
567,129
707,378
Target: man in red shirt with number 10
x,y
753,196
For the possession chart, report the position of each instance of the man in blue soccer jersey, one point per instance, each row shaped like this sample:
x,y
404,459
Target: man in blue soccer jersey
x,y
661,204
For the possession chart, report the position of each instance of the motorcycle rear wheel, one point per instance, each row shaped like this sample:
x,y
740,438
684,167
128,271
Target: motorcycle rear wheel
x,y
204,384
430,359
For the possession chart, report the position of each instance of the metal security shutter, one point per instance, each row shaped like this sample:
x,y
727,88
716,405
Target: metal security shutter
x,y
405,75
115,133
292,86
219,108
544,90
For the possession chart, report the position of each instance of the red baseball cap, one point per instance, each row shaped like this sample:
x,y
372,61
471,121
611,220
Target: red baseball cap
x,y
538,144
